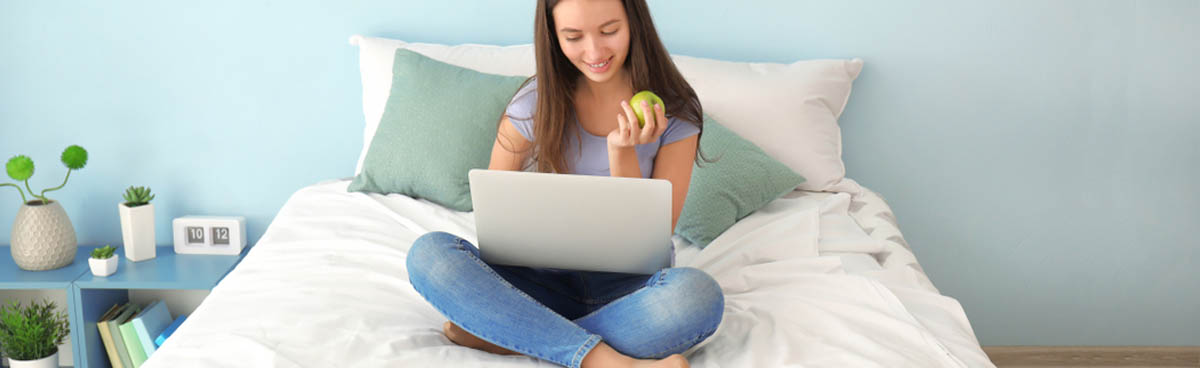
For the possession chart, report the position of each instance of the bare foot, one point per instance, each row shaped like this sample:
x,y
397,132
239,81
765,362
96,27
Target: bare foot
x,y
462,337
605,356
673,361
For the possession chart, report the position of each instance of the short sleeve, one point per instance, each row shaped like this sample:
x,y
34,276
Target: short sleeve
x,y
678,129
520,109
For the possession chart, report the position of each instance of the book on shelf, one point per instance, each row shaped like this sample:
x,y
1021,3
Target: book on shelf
x,y
162,337
131,333
150,323
137,355
106,335
125,312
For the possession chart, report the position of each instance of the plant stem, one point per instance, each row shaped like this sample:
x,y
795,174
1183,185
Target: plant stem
x,y
58,187
44,201
23,200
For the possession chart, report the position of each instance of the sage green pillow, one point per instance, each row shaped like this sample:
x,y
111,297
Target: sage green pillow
x,y
439,123
742,180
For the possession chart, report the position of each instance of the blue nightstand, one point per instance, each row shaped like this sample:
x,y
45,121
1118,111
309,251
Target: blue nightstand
x,y
89,296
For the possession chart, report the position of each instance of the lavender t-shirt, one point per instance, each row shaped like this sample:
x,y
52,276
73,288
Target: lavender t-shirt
x,y
591,156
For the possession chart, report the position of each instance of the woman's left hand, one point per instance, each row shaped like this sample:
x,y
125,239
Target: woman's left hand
x,y
629,134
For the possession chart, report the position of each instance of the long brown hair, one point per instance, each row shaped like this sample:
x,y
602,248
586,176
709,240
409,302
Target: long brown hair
x,y
650,68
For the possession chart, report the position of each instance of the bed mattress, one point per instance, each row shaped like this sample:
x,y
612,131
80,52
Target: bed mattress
x,y
813,279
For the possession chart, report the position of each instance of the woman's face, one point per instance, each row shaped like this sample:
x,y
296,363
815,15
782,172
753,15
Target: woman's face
x,y
594,36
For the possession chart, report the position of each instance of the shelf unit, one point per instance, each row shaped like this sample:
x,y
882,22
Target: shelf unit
x,y
89,296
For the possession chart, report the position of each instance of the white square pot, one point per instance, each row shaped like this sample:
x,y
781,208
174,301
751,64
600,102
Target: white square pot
x,y
103,267
137,229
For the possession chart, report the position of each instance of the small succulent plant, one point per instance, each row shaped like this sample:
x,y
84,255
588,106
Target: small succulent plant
x,y
137,196
103,252
20,168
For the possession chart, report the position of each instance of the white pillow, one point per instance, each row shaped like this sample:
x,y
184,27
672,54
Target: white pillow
x,y
788,110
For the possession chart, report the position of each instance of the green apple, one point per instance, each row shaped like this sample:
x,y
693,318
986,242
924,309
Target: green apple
x,y
636,104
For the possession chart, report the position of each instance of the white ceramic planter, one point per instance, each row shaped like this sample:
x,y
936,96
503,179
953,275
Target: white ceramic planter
x,y
137,229
47,362
42,237
103,267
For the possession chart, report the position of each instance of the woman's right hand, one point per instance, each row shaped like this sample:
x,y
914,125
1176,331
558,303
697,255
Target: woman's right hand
x,y
629,134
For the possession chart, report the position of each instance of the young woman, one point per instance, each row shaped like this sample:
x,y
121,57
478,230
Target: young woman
x,y
573,116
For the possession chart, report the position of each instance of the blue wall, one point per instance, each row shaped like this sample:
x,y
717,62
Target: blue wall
x,y
1040,155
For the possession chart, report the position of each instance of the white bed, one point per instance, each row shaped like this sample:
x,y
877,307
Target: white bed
x,y
813,279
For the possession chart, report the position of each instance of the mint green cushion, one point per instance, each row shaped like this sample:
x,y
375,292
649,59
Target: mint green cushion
x,y
742,180
439,123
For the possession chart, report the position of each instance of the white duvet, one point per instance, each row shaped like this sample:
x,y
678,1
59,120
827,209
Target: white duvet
x,y
810,280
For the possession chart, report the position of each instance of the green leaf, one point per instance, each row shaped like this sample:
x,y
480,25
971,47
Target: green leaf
x,y
75,157
19,167
137,196
103,252
33,332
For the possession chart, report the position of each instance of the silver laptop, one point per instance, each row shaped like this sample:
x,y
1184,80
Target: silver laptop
x,y
572,222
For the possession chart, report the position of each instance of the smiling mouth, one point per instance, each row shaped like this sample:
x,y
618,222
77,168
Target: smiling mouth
x,y
600,65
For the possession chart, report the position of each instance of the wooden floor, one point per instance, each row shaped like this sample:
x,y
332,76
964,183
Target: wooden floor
x,y
1094,356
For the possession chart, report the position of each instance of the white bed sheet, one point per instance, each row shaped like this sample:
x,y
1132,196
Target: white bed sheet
x,y
812,279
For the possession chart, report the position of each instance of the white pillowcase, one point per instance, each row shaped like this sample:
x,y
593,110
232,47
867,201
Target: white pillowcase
x,y
788,110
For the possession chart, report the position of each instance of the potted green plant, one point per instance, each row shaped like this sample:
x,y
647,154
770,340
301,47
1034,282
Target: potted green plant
x,y
42,235
30,336
137,223
103,261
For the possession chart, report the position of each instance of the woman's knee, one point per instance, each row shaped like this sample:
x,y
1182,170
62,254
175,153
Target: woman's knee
x,y
687,307
695,294
428,250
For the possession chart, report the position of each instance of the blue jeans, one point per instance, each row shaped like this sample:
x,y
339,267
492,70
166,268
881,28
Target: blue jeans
x,y
558,315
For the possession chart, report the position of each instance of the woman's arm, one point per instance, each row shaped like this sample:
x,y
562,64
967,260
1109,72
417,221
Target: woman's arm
x,y
623,141
623,162
511,148
674,163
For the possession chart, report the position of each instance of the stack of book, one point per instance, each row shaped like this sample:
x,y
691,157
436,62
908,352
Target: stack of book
x,y
131,333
